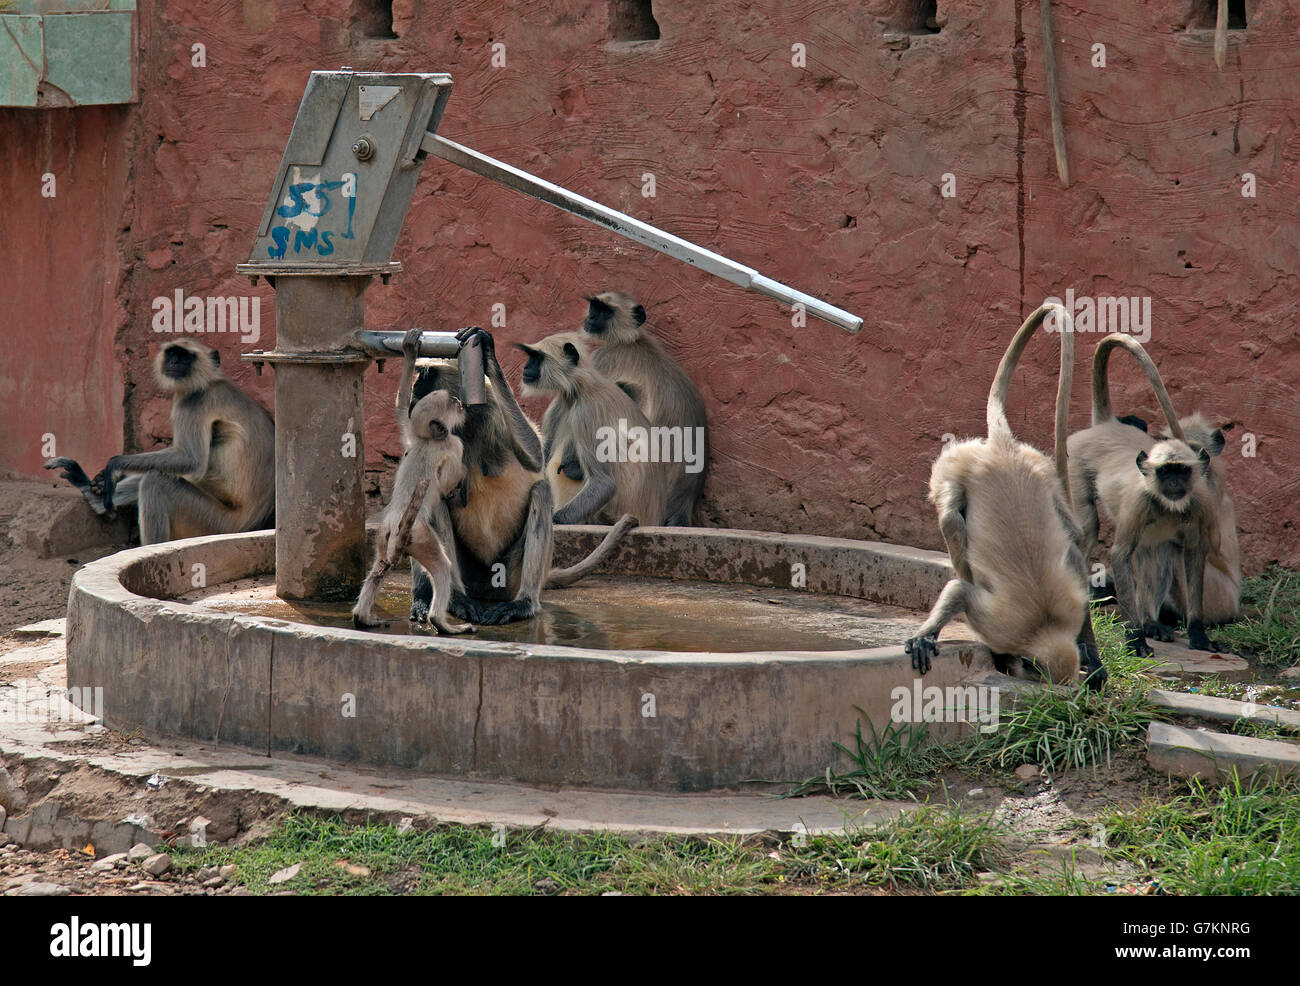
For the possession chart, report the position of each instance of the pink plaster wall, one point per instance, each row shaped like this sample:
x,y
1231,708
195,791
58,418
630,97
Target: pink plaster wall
x,y
825,177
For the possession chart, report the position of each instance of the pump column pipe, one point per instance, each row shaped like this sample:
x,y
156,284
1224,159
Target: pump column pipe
x,y
320,455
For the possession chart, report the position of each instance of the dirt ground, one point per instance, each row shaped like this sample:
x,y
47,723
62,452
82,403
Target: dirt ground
x,y
31,588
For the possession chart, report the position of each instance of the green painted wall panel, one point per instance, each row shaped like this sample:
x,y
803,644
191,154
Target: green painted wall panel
x,y
20,60
68,6
88,56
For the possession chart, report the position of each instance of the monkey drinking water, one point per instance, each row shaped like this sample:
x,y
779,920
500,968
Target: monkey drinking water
x,y
499,536
1005,515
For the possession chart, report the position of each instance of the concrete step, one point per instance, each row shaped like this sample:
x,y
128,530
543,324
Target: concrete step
x,y
1215,756
1225,710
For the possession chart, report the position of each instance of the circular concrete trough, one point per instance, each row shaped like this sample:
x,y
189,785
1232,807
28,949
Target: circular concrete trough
x,y
534,713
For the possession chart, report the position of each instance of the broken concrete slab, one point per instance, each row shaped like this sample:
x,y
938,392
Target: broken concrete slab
x,y
1217,756
1225,710
54,522
1178,658
41,630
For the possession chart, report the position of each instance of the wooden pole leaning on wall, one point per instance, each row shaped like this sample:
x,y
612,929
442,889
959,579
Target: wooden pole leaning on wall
x,y
1054,94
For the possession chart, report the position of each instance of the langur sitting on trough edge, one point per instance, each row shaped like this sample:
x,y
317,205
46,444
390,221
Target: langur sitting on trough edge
x,y
637,361
583,426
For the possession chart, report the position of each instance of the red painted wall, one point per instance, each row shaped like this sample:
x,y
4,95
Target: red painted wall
x,y
826,177
65,295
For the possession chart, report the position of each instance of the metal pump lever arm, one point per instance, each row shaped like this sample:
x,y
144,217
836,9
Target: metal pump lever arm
x,y
634,229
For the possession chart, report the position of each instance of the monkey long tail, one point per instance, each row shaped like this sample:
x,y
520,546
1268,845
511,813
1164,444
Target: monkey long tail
x,y
1101,409
559,578
999,427
409,513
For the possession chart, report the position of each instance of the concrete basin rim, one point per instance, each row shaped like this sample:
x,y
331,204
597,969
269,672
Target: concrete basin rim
x,y
103,580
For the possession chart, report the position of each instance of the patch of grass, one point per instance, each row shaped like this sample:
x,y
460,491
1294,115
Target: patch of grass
x,y
1056,727
928,849
1067,882
1238,839
1260,729
1270,627
463,860
891,764
1126,672
1061,729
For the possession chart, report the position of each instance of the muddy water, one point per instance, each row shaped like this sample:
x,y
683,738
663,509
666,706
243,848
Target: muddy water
x,y
617,613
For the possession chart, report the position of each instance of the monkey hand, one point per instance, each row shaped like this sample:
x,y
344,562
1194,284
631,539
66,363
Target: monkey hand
x,y
487,344
921,650
411,343
1094,672
110,481
72,471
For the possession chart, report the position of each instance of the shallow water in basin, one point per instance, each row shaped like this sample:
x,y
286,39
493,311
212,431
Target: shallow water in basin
x,y
621,613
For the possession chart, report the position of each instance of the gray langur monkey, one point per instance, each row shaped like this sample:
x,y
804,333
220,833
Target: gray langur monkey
x,y
431,468
635,360
1221,594
1157,493
586,426
499,533
218,476
1005,515
1222,591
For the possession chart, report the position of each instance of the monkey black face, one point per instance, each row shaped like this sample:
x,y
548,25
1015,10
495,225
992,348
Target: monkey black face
x,y
533,368
1173,480
177,362
600,313
598,317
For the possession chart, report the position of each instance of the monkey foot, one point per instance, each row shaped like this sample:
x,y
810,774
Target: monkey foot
x,y
1160,632
367,623
1206,644
451,629
489,613
507,612
1139,646
921,650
